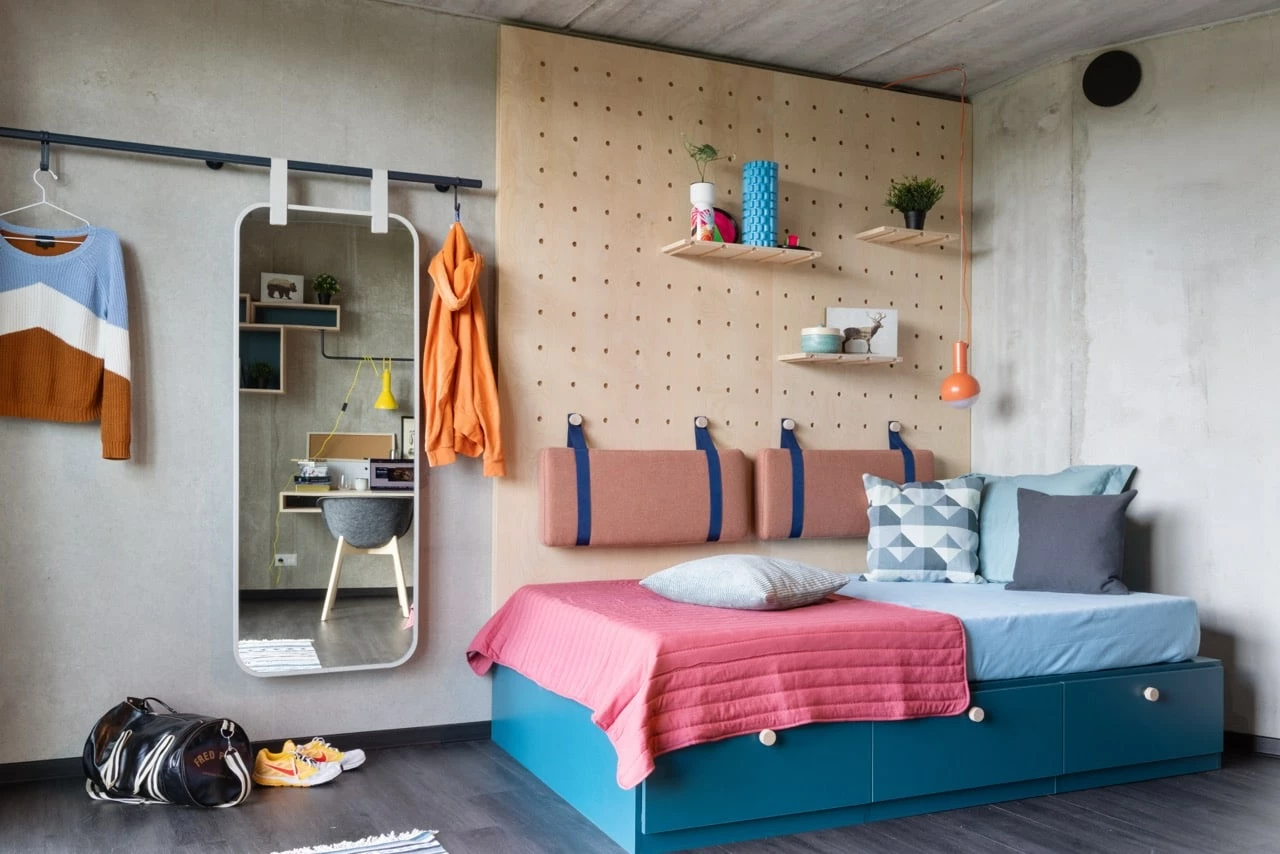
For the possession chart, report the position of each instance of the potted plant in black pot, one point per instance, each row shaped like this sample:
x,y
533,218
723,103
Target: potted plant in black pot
x,y
913,197
325,287
260,374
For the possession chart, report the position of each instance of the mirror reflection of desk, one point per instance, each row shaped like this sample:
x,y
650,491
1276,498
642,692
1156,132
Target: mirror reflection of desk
x,y
294,501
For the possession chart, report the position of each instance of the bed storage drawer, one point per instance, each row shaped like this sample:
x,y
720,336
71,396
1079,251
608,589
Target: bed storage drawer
x,y
1018,737
1138,718
808,768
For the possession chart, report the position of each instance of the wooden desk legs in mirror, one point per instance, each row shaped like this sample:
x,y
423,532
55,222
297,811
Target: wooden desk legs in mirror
x,y
392,548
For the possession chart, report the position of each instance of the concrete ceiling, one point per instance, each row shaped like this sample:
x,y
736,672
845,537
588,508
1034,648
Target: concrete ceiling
x,y
869,40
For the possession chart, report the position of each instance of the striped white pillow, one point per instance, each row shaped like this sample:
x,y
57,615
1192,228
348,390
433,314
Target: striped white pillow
x,y
748,582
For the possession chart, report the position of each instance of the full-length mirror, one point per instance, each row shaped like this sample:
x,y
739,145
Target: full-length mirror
x,y
326,365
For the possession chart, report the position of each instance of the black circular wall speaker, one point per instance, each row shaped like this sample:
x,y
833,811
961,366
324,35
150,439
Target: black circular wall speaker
x,y
1112,78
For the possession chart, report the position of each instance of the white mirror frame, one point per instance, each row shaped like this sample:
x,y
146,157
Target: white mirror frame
x,y
419,471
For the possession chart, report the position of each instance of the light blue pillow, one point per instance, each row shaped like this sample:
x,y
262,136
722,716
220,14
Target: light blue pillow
x,y
746,582
923,531
998,517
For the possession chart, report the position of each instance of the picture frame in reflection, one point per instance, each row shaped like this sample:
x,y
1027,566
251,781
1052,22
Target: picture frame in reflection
x,y
408,437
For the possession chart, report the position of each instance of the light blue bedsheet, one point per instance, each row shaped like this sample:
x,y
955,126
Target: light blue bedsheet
x,y
1013,633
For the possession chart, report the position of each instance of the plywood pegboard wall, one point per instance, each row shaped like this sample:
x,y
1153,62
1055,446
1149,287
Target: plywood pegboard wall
x,y
593,180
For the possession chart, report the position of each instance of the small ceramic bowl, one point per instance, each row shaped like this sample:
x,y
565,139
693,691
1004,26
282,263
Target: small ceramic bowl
x,y
821,339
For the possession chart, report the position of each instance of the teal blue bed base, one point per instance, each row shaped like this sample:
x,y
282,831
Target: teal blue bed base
x,y
1036,736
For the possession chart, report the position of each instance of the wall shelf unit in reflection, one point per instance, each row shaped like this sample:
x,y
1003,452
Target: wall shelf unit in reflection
x,y
262,334
262,343
298,315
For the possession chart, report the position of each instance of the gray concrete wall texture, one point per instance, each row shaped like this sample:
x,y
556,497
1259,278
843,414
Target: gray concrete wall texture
x,y
1126,288
118,576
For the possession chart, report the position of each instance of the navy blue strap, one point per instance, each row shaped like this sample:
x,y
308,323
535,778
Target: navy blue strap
x,y
582,466
908,458
797,479
703,440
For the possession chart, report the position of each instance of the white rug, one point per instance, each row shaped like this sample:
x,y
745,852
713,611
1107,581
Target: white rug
x,y
279,655
388,843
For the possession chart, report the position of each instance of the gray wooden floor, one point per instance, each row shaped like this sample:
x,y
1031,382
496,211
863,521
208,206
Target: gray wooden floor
x,y
483,803
360,629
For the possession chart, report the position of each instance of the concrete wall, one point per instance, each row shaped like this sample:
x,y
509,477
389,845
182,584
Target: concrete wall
x,y
1126,290
118,576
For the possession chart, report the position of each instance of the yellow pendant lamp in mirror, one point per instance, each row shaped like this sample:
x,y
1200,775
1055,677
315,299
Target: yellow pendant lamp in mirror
x,y
386,400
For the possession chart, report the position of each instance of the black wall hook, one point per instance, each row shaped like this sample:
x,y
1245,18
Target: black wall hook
x,y
44,151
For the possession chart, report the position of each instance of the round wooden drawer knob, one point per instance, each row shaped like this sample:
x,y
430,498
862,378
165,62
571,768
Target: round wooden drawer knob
x,y
1151,693
977,715
768,737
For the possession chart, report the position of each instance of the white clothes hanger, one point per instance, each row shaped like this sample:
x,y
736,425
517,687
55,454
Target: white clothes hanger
x,y
44,202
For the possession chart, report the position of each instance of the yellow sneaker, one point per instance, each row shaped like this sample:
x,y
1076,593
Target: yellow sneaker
x,y
322,751
291,769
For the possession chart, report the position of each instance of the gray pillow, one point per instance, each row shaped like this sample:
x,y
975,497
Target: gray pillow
x,y
1070,543
748,582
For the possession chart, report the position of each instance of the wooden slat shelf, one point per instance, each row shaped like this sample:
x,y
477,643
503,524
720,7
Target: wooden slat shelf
x,y
839,358
690,248
890,235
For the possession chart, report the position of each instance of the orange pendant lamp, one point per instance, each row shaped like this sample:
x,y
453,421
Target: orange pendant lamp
x,y
960,389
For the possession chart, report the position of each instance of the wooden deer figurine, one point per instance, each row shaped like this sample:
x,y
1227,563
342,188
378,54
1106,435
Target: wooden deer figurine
x,y
854,334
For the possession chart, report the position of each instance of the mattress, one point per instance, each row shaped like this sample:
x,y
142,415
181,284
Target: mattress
x,y
1015,633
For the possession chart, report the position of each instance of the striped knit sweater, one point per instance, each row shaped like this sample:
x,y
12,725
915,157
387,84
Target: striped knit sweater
x,y
64,331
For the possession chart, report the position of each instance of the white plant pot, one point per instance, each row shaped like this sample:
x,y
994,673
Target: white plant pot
x,y
702,216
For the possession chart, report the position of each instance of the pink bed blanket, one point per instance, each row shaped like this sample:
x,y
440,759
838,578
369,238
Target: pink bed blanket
x,y
659,675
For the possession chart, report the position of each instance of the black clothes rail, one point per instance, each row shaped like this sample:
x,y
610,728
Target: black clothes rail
x,y
217,159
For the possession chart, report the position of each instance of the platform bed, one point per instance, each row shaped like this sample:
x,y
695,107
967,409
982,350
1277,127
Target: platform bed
x,y
1036,736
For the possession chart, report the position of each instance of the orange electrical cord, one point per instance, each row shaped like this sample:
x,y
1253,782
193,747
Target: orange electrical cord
x,y
964,238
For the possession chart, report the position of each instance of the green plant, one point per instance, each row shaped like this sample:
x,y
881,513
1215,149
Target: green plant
x,y
261,372
702,155
326,284
913,194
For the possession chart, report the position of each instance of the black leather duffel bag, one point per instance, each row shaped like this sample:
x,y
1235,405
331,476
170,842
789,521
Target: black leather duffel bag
x,y
139,756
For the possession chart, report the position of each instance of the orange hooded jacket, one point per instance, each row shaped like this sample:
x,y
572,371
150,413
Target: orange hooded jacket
x,y
459,394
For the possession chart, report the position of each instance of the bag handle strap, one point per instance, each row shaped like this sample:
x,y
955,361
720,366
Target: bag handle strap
x,y
236,766
143,704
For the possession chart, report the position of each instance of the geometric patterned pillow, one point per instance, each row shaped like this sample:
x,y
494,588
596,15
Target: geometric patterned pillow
x,y
923,531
